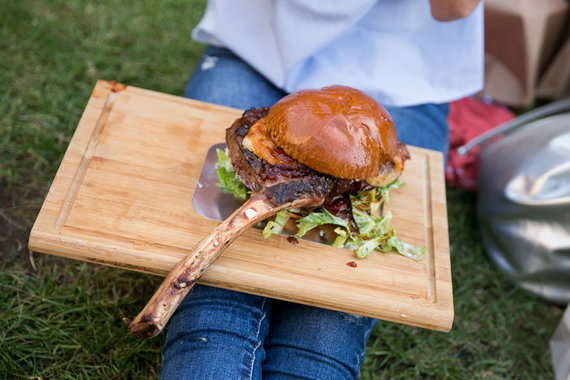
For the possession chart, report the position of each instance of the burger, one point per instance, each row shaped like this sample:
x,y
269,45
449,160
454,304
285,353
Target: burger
x,y
338,135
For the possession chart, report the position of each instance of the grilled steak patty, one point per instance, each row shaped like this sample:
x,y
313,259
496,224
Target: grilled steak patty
x,y
281,183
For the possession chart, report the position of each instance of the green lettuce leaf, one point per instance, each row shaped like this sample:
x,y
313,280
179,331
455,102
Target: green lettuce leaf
x,y
364,222
385,191
229,181
406,249
367,247
370,226
341,236
317,219
374,231
276,226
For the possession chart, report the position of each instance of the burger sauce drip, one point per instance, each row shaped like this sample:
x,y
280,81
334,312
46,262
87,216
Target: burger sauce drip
x,y
293,240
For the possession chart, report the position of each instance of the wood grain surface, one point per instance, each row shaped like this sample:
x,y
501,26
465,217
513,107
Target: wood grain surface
x,y
123,197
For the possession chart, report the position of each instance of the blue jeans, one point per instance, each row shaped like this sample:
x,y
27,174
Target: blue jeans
x,y
223,334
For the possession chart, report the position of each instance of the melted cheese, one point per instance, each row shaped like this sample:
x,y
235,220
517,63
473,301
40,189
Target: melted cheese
x,y
390,172
259,142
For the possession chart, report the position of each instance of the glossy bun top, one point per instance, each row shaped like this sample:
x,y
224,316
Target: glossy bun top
x,y
337,130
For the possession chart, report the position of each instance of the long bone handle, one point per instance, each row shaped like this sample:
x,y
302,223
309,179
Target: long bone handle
x,y
154,316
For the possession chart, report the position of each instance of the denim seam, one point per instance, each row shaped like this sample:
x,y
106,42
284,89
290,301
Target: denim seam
x,y
362,356
258,330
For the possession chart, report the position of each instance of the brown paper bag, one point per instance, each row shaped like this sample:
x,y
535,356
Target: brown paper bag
x,y
555,82
520,37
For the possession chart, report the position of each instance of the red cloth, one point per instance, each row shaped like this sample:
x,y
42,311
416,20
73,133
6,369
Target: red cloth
x,y
467,119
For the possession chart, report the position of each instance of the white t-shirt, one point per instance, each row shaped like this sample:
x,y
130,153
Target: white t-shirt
x,y
391,49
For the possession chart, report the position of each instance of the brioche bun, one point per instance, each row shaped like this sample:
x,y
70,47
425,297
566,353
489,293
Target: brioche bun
x,y
337,130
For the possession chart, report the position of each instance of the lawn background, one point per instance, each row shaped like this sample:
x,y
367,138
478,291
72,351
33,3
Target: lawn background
x,y
61,319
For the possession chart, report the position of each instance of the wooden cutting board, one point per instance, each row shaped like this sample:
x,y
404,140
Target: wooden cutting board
x,y
123,197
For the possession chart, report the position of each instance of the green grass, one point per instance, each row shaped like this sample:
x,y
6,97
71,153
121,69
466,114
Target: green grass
x,y
62,319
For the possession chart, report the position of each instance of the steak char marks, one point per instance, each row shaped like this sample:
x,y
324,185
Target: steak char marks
x,y
280,183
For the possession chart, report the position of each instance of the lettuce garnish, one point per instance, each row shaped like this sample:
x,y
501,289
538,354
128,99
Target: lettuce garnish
x,y
315,219
229,180
276,226
370,210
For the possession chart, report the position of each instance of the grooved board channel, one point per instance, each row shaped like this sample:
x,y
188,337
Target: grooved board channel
x,y
123,197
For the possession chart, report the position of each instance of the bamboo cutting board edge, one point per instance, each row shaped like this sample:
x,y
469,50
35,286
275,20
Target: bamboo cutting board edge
x,y
46,236
404,311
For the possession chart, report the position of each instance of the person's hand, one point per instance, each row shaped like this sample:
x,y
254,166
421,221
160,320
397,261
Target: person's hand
x,y
448,10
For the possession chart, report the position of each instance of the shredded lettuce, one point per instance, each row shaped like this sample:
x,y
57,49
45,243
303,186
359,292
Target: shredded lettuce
x,y
384,191
276,226
229,181
315,219
370,210
341,236
406,249
367,247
